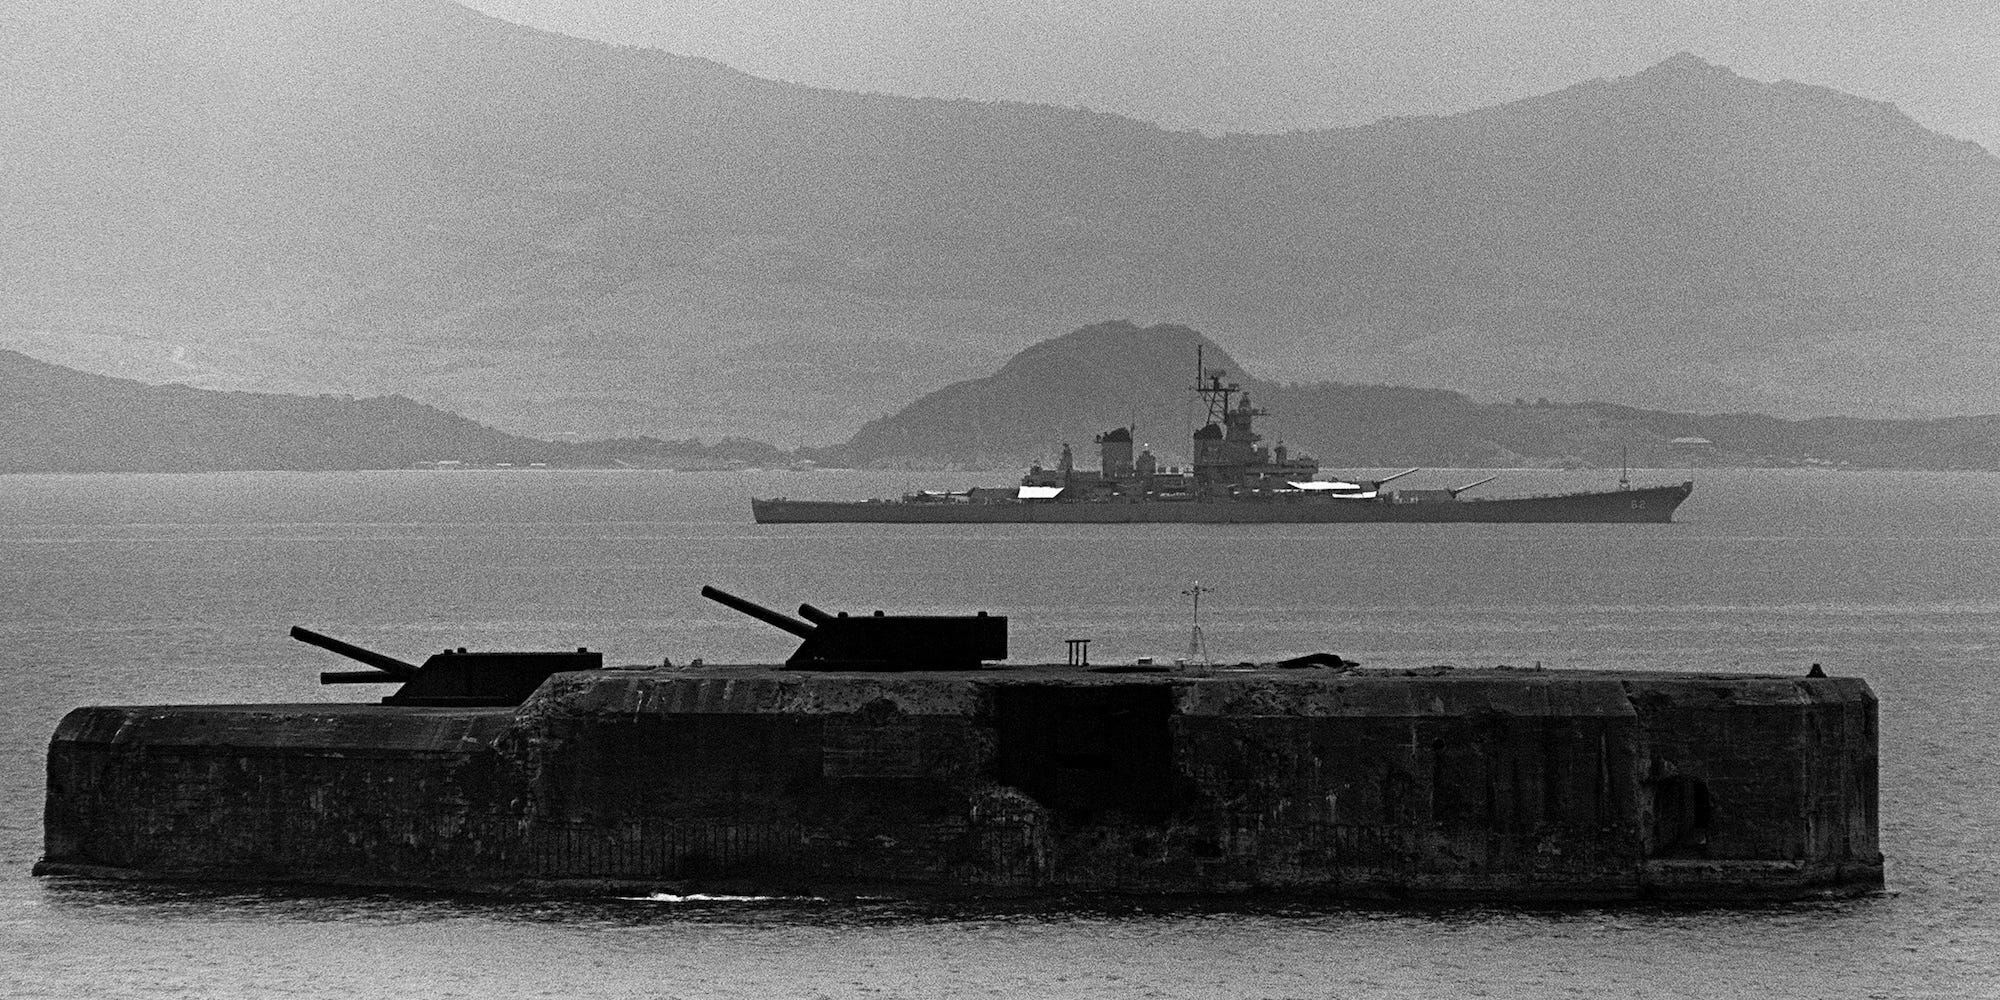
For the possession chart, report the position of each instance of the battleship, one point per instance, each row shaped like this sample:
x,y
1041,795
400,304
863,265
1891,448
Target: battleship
x,y
1233,479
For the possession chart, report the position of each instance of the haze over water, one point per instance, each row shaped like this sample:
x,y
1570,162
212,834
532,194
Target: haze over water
x,y
160,589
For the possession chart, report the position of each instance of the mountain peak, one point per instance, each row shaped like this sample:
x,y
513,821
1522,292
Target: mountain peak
x,y
1685,67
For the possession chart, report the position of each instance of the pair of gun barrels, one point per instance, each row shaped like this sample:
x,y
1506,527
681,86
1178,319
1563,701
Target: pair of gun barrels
x,y
897,642
389,669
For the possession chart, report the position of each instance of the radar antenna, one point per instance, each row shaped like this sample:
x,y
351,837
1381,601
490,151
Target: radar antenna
x,y
1208,384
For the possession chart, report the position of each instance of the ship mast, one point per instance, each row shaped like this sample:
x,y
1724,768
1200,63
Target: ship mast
x,y
1213,391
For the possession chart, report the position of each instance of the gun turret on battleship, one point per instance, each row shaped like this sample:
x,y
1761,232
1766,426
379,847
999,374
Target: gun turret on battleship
x,y
881,641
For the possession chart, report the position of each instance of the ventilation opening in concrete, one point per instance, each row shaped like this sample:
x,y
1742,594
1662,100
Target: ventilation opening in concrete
x,y
1682,816
1087,751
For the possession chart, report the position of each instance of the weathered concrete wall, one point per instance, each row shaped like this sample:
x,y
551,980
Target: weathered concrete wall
x,y
315,793
1487,784
1516,787
1771,776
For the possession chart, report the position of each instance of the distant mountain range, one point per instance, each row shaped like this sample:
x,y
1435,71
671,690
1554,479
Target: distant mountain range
x,y
1064,390
55,419
552,235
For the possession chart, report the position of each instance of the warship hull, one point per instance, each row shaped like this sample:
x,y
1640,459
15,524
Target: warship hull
x,y
1653,504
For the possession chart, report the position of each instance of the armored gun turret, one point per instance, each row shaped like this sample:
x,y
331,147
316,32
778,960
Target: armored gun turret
x,y
880,641
455,676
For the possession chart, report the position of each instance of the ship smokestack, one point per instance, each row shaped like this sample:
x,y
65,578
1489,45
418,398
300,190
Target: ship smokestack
x,y
1114,451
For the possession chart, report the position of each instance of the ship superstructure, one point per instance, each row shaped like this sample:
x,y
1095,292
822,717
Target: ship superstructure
x,y
1228,456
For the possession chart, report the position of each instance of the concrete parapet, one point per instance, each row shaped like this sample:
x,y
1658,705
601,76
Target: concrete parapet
x,y
1489,785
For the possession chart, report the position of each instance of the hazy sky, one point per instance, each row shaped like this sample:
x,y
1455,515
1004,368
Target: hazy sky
x,y
1267,65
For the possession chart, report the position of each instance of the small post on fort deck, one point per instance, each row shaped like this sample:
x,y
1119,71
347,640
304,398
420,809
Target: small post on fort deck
x,y
1197,648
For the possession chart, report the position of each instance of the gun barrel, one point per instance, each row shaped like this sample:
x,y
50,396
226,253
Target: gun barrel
x,y
1468,486
357,677
395,668
1391,479
814,615
759,612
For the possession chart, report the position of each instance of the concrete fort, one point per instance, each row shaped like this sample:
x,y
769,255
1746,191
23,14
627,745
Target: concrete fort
x,y
1489,785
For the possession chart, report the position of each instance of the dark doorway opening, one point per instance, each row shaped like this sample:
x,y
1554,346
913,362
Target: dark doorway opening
x,y
1682,816
1087,751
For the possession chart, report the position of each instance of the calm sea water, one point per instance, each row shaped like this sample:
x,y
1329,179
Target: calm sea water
x,y
148,589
